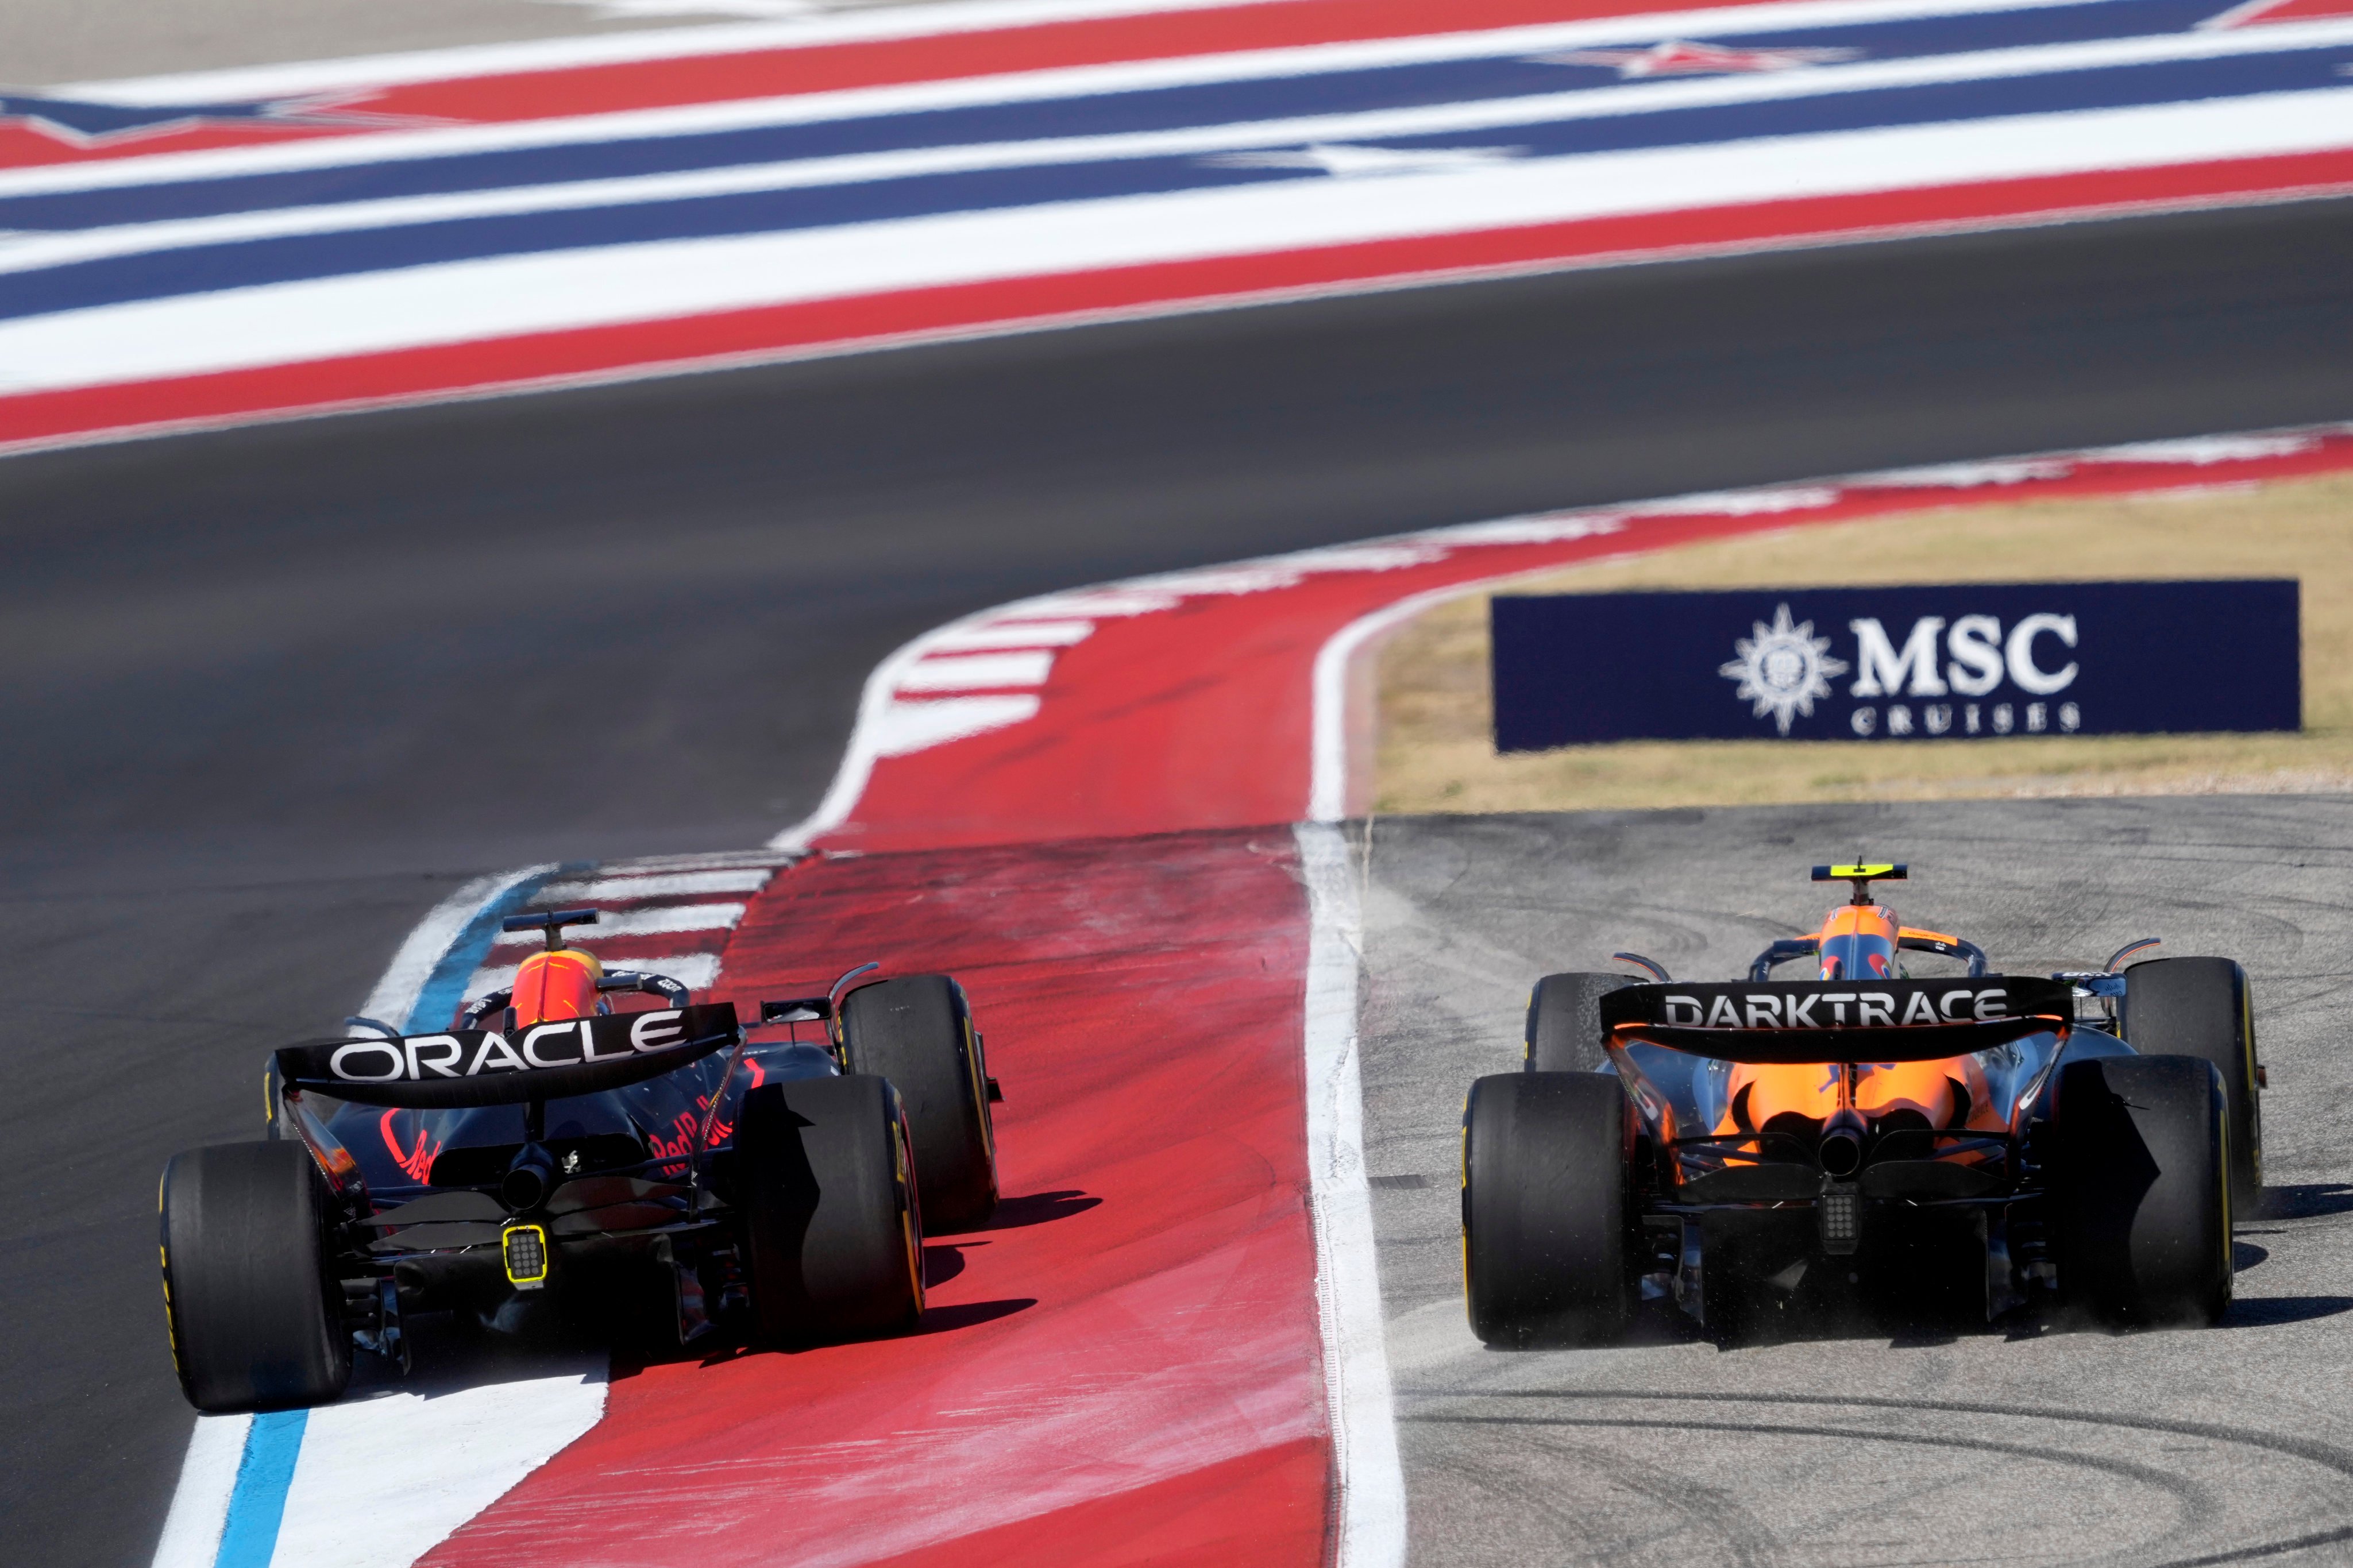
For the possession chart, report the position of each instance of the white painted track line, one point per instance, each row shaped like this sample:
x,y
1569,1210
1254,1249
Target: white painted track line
x,y
192,1531
1348,1279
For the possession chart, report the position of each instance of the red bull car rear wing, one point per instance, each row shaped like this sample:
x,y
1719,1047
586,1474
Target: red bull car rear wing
x,y
485,1067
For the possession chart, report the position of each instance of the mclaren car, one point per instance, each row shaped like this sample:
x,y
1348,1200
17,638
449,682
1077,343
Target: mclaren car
x,y
1764,1148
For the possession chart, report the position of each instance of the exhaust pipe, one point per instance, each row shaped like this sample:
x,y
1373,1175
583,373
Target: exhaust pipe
x,y
528,1180
1841,1149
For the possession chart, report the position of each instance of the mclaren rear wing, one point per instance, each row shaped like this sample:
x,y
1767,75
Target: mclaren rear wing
x,y
1839,1020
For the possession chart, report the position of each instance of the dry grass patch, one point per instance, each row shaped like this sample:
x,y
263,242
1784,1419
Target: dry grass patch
x,y
1436,749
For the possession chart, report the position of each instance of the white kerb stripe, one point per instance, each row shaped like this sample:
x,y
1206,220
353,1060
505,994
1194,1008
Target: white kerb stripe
x,y
872,736
642,922
907,727
1347,1275
192,1531
662,885
978,671
1017,634
695,971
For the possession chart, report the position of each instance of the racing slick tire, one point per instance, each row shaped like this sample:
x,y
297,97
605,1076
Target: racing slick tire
x,y
1564,1030
917,1032
2140,1189
1546,1221
255,1310
2202,1007
833,1229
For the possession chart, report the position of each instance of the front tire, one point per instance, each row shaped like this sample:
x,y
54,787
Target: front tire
x,y
2203,1007
1546,1168
2140,1190
1564,1028
249,1291
833,1230
917,1032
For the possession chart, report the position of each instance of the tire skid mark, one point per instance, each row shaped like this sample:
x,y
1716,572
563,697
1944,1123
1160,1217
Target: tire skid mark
x,y
1714,1508
2326,1455
2271,1548
1695,1507
2197,1501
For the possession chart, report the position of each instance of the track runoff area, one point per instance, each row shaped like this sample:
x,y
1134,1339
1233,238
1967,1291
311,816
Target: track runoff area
x,y
220,246
1129,816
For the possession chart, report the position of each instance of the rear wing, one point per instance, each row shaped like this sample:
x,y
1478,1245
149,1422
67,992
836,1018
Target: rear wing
x,y
483,1067
1839,1020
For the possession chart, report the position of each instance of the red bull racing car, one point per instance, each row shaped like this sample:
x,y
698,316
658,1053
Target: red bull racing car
x,y
1745,1148
651,1169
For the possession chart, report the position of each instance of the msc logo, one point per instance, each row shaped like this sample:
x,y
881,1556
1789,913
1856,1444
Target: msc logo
x,y
1977,657
1783,669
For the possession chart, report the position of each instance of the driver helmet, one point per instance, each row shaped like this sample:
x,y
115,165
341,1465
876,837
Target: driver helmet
x,y
554,985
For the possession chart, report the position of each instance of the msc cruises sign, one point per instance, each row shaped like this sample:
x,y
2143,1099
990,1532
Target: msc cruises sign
x,y
1937,663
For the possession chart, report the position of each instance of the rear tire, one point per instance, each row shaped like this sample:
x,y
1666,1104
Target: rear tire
x,y
917,1032
1545,1208
2203,1007
255,1310
833,1231
2140,1190
1564,1030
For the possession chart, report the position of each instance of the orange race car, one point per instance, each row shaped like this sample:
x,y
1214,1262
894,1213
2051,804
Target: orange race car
x,y
1749,1148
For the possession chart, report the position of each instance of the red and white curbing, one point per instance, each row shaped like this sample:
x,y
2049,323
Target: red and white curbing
x,y
669,917
1221,696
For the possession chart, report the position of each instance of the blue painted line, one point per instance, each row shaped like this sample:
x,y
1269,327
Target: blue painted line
x,y
198,268
1311,92
257,1503
437,999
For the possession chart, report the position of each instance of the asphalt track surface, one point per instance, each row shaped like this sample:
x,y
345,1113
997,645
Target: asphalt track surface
x,y
272,693
1864,1436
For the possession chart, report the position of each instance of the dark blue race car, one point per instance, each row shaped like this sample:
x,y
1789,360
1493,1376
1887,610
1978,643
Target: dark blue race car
x,y
647,1172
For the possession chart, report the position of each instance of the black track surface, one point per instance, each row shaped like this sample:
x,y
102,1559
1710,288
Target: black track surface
x,y
270,694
